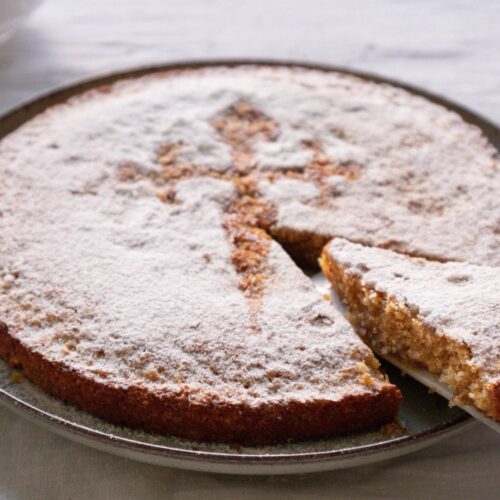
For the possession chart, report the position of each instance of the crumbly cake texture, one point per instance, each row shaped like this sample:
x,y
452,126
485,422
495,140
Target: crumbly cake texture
x,y
444,316
141,275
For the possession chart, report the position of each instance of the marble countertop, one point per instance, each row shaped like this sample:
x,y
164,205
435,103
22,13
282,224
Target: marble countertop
x,y
449,47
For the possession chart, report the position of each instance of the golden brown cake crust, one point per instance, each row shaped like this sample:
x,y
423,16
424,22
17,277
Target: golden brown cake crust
x,y
176,415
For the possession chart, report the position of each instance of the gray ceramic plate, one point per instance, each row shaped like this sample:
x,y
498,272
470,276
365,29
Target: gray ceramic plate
x,y
426,417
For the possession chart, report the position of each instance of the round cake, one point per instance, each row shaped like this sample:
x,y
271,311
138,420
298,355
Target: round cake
x,y
151,234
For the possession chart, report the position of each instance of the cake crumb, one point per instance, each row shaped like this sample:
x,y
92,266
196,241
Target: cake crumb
x,y
393,429
15,377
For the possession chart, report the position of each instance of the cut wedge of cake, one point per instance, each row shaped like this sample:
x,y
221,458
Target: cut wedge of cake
x,y
444,316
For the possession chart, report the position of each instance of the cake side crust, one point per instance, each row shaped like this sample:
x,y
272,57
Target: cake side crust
x,y
174,413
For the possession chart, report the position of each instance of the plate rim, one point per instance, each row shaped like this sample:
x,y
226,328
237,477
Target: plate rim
x,y
23,111
90,434
59,93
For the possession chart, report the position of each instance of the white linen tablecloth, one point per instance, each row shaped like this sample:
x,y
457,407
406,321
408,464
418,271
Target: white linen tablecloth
x,y
450,47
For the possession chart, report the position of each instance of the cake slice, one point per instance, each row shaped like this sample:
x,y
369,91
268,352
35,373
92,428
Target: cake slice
x,y
442,316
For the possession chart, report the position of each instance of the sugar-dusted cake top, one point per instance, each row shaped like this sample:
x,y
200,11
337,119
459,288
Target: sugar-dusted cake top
x,y
134,235
460,301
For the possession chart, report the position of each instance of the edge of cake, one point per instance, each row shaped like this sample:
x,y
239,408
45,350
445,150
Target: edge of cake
x,y
218,422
